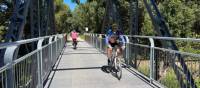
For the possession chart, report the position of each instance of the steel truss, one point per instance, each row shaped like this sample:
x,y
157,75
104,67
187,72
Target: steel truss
x,y
162,30
30,19
112,15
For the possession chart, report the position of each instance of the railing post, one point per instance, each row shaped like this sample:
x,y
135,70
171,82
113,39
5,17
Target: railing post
x,y
127,51
151,60
39,63
56,45
100,39
51,53
96,40
60,45
92,37
8,59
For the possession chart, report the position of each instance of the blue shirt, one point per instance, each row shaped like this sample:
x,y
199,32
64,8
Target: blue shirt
x,y
118,34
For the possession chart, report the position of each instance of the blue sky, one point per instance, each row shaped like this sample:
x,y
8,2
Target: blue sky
x,y
72,5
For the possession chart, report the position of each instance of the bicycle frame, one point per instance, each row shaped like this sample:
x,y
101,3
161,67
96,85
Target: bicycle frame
x,y
116,63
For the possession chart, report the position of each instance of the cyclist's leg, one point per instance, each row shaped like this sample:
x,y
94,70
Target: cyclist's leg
x,y
109,54
119,50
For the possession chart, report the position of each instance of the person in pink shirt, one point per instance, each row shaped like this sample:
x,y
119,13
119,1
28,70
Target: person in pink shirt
x,y
74,36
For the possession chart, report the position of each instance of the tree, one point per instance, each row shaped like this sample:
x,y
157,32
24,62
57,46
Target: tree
x,y
62,16
76,1
5,13
89,14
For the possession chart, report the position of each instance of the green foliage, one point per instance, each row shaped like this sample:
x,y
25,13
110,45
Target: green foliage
x,y
88,15
2,32
62,16
179,16
4,16
147,27
197,81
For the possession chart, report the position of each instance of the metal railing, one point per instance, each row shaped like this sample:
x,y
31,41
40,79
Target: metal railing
x,y
159,65
32,69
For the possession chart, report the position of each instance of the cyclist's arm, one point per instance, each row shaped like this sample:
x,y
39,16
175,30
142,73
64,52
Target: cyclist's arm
x,y
107,42
107,39
122,40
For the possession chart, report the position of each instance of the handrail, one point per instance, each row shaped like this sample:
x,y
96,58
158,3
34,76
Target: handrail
x,y
16,43
166,38
158,37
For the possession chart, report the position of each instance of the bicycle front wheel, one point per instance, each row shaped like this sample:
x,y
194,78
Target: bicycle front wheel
x,y
118,68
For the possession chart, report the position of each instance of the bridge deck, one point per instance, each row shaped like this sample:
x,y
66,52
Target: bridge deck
x,y
84,68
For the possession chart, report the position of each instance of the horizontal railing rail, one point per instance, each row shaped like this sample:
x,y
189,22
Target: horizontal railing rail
x,y
161,65
32,69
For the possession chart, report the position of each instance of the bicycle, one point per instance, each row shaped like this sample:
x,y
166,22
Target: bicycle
x,y
116,63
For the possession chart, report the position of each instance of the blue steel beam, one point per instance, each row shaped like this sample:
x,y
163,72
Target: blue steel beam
x,y
112,15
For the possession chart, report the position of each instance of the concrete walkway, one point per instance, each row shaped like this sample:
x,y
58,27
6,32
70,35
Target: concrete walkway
x,y
84,68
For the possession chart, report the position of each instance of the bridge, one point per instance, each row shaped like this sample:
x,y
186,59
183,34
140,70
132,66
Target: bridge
x,y
57,64
34,55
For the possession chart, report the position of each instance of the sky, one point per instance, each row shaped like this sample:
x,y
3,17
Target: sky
x,y
72,5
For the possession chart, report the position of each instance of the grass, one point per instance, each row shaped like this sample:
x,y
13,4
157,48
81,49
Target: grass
x,y
82,37
143,67
169,79
197,81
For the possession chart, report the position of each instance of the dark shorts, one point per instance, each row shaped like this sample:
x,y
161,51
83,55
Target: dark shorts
x,y
114,44
74,40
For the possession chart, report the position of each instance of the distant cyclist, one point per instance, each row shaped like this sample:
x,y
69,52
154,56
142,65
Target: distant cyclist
x,y
74,36
114,38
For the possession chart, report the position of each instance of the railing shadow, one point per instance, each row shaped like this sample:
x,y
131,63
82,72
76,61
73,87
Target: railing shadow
x,y
80,53
82,68
82,48
47,85
86,47
142,77
103,68
79,49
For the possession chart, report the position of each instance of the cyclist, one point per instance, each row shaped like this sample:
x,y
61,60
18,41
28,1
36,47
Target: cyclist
x,y
114,37
74,36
